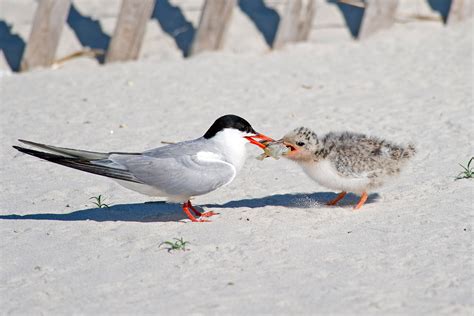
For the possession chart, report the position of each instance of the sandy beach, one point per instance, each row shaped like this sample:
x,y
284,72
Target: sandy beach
x,y
275,248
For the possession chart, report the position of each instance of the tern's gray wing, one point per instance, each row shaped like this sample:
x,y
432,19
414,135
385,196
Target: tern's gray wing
x,y
179,175
184,169
189,147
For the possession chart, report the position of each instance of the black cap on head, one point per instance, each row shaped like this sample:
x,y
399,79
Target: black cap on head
x,y
229,121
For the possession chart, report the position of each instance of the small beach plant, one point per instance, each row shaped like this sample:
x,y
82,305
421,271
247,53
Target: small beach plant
x,y
468,171
98,201
177,244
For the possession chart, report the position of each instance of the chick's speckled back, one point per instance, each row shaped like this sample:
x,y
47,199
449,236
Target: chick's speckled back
x,y
359,155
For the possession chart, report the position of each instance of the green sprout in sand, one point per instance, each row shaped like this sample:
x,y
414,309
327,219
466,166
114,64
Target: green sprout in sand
x,y
178,244
468,172
99,201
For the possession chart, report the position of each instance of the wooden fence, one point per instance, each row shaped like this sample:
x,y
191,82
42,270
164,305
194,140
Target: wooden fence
x,y
295,25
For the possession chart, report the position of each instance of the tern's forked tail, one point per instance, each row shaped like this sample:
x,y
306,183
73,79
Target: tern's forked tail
x,y
98,167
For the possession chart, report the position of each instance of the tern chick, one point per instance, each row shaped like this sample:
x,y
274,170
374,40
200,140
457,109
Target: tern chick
x,y
177,172
348,162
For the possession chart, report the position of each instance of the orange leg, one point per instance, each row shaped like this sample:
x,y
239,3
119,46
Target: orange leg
x,y
186,210
362,200
206,214
339,197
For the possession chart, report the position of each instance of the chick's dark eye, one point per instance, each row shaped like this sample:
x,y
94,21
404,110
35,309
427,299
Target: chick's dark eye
x,y
300,144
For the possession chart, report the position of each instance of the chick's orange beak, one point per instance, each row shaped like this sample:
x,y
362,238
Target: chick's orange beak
x,y
261,143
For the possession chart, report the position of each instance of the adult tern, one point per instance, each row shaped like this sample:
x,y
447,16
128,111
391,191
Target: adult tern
x,y
177,171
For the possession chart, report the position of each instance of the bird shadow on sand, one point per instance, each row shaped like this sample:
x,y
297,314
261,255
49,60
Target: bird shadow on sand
x,y
171,212
139,212
295,200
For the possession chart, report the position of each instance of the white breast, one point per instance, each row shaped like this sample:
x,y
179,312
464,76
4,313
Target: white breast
x,y
232,147
326,175
208,156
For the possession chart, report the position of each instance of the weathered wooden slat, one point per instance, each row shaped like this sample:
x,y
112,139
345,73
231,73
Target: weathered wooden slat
x,y
306,22
354,3
213,25
288,27
460,10
296,22
48,23
378,14
129,30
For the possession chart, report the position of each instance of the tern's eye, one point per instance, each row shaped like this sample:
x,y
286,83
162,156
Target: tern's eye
x,y
301,144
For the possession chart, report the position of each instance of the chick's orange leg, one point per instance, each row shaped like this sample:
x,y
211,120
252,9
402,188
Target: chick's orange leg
x,y
362,200
186,210
339,197
206,214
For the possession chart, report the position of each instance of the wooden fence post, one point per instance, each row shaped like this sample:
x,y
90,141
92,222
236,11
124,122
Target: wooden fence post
x,y
129,30
288,27
378,14
307,21
45,33
460,10
296,22
213,25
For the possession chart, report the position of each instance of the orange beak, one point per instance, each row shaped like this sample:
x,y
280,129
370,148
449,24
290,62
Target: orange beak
x,y
263,138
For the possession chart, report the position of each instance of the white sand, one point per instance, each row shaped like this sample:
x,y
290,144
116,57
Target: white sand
x,y
275,248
